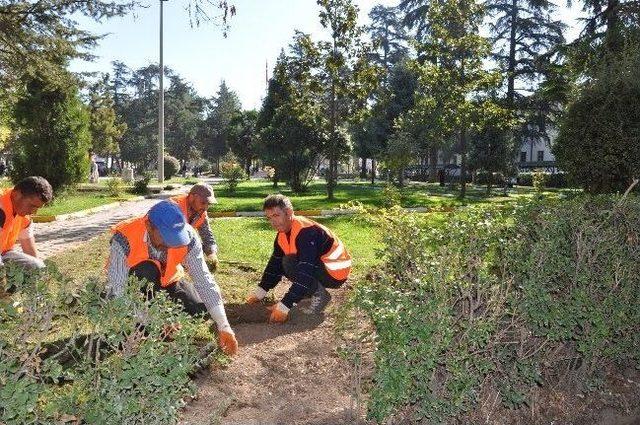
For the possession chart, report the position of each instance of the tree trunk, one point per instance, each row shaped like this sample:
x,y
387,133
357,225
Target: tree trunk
x,y
373,171
511,77
463,162
433,161
363,168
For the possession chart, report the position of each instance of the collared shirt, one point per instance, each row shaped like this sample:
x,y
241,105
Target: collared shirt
x,y
194,264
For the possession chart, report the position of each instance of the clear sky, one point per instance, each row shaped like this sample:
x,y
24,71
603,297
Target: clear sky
x,y
202,56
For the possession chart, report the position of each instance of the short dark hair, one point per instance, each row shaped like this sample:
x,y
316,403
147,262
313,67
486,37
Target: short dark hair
x,y
277,200
35,186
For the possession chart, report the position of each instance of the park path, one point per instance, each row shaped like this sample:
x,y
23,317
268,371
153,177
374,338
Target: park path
x,y
56,236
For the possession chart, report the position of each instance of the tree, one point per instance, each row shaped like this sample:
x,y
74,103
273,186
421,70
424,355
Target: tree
x,y
451,95
291,121
184,110
346,73
105,130
599,139
224,106
53,136
243,137
388,36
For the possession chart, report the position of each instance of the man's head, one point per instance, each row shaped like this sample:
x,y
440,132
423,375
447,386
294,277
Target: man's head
x,y
200,197
167,226
30,194
279,211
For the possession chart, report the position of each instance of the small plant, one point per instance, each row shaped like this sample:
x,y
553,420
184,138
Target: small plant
x,y
231,171
539,181
392,197
141,185
115,186
171,166
270,172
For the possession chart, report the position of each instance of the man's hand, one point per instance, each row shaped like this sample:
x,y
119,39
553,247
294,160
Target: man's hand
x,y
228,342
255,296
212,262
279,313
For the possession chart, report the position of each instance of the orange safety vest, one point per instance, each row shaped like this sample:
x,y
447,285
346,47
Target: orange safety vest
x,y
134,230
13,224
181,200
337,260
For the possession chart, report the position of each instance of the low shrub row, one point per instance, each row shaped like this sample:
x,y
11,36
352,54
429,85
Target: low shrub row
x,y
69,355
492,302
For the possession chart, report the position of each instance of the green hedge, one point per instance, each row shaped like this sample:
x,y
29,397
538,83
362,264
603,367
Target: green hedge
x,y
71,355
557,180
483,302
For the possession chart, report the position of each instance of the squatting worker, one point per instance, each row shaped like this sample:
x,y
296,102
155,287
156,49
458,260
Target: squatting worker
x,y
307,253
194,206
16,205
155,247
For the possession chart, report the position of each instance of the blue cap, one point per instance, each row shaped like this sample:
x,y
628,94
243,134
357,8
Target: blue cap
x,y
168,219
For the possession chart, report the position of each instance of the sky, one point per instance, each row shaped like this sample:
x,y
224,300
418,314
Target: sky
x,y
203,57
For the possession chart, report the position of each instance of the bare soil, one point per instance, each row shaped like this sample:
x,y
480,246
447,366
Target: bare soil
x,y
283,374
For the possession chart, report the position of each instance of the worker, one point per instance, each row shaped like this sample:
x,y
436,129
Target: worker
x,y
307,253
194,206
155,247
16,206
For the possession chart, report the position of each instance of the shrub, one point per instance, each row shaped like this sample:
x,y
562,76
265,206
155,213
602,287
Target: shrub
x,y
598,141
115,186
104,367
171,166
53,138
557,180
482,302
232,171
141,185
538,178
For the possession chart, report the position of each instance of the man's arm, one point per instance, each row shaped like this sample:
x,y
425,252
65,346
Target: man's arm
x,y
274,271
205,284
117,268
209,245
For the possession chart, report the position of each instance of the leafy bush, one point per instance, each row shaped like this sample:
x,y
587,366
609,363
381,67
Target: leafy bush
x,y
483,302
52,128
391,196
171,166
141,185
232,171
115,186
107,365
538,180
598,142
557,180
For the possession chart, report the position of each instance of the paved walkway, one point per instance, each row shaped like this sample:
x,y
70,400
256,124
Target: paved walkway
x,y
56,236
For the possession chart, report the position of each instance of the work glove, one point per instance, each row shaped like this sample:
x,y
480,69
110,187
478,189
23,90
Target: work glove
x,y
279,313
228,342
212,262
256,295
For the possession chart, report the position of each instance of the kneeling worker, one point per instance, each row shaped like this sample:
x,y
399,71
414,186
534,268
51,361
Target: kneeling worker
x,y
194,207
155,247
307,253
16,205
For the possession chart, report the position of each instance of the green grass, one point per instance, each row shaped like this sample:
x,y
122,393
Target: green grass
x,y
245,245
250,194
78,201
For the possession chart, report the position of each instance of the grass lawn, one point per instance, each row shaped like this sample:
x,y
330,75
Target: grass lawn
x,y
78,201
245,245
250,194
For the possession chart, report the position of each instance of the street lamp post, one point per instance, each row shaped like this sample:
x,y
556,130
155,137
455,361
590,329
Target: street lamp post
x,y
161,108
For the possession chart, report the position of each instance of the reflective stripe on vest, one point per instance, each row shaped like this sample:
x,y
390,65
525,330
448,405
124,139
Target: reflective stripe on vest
x,y
181,200
13,225
337,260
134,230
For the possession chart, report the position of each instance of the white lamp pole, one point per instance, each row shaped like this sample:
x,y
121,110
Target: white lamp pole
x,y
161,108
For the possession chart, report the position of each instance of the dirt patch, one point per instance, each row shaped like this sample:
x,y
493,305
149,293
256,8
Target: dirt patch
x,y
283,374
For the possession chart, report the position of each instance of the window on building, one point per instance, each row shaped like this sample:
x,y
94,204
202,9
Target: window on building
x,y
540,156
523,156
